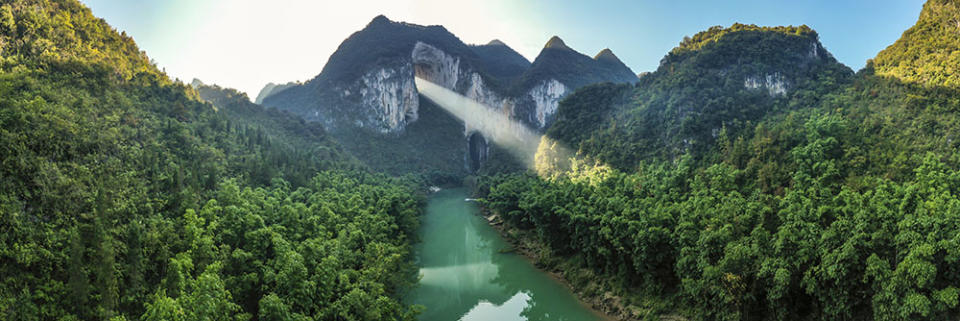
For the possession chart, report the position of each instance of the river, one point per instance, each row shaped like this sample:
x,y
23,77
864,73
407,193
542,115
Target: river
x,y
464,275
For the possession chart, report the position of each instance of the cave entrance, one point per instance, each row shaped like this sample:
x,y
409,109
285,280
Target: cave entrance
x,y
476,151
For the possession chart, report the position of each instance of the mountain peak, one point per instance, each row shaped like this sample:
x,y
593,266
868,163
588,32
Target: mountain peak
x,y
380,19
496,42
606,55
556,43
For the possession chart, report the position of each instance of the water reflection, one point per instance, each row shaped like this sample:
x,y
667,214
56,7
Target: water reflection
x,y
465,277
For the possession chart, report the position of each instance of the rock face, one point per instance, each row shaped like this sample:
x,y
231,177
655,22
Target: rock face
x,y
778,83
391,94
546,96
535,107
477,151
775,83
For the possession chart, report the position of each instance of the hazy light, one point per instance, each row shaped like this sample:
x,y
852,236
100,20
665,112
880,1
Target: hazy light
x,y
537,152
512,135
244,44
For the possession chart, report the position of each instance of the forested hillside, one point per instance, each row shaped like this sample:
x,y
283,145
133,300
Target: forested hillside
x,y
719,79
695,195
125,195
927,53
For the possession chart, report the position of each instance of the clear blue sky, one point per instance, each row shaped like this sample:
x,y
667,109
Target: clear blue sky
x,y
246,43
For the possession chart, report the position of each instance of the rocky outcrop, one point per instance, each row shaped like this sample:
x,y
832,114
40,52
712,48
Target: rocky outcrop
x,y
536,106
437,66
775,84
546,97
390,95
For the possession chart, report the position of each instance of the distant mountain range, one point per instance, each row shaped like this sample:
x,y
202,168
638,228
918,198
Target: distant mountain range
x,y
368,81
272,88
366,93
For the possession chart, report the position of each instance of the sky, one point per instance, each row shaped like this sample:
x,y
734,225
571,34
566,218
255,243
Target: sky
x,y
245,44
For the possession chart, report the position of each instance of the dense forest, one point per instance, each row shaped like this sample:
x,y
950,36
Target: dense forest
x,y
127,195
835,199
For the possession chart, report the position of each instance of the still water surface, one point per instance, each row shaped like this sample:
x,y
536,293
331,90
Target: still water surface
x,y
465,277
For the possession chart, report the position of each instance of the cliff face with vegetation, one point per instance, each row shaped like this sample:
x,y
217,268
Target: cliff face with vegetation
x,y
751,177
368,82
367,87
125,195
722,79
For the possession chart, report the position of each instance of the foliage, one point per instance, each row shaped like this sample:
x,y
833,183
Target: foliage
x,y
837,200
124,195
927,53
822,250
699,90
432,146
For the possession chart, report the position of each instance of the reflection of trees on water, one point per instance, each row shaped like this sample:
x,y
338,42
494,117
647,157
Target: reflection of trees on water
x,y
459,274
513,281
464,268
542,304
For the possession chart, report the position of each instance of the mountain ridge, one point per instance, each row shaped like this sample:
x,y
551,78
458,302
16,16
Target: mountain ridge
x,y
368,83
757,66
502,71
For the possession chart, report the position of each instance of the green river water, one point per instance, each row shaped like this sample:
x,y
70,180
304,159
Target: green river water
x,y
464,276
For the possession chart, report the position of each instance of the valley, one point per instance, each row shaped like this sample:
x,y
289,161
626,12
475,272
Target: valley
x,y
750,176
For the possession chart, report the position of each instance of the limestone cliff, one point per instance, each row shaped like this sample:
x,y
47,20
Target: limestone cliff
x,y
775,83
368,82
367,86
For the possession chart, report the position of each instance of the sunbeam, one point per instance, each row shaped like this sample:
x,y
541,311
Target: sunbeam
x,y
510,134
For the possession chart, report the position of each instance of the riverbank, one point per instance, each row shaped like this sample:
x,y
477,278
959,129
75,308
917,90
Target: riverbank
x,y
463,274
590,288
